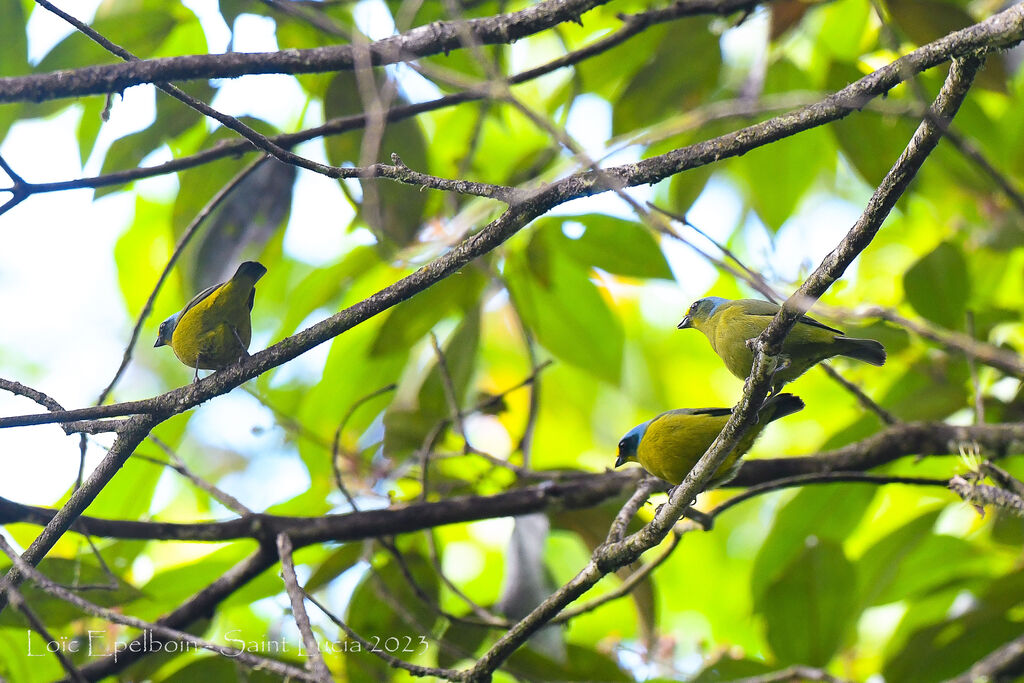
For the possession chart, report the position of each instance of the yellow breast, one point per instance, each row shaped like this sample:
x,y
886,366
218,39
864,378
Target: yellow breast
x,y
674,443
216,331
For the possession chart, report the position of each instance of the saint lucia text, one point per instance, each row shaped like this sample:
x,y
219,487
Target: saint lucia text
x,y
94,644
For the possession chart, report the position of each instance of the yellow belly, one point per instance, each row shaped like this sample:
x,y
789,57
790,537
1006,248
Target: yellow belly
x,y
673,445
204,340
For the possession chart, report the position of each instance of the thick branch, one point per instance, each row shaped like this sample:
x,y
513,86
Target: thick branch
x,y
1004,663
579,491
423,41
518,215
436,38
127,440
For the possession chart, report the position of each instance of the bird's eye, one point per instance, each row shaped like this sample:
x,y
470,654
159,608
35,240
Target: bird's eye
x,y
622,444
693,307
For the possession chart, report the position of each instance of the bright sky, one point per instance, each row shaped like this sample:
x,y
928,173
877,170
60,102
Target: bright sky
x,y
65,326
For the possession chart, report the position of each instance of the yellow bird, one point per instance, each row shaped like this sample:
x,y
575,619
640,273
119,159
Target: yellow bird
x,y
671,444
729,324
214,329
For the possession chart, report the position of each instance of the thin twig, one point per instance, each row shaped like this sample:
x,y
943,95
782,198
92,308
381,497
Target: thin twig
x,y
178,465
19,603
449,393
157,629
314,659
395,662
983,494
336,441
1002,478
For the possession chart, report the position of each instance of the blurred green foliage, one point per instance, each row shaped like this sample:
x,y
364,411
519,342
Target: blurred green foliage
x,y
854,578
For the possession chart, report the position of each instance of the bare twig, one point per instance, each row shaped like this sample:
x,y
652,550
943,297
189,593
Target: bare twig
x,y
993,356
314,660
1003,663
1002,478
449,393
983,494
336,442
18,600
154,629
414,669
178,465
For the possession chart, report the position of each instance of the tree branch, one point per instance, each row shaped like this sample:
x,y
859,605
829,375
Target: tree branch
x,y
423,41
611,556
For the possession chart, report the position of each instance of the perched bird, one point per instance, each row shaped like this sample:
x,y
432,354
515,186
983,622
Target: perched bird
x,y
671,444
728,324
214,329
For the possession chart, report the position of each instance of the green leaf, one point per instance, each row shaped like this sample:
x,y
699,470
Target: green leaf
x,y
172,119
13,43
581,664
460,360
373,613
937,286
69,572
729,669
393,210
411,320
678,75
244,222
776,177
569,316
460,641
926,20
809,608
843,30
612,244
913,560
219,668
406,427
951,645
19,647
338,562
686,187
869,140
828,513
932,388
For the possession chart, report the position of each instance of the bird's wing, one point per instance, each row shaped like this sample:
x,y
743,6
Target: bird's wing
x,y
197,298
711,412
768,309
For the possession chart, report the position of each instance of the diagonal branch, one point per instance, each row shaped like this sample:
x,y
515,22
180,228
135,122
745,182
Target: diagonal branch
x,y
161,630
611,556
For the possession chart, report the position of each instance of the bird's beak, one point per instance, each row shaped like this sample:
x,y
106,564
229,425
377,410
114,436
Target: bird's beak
x,y
621,460
159,342
684,323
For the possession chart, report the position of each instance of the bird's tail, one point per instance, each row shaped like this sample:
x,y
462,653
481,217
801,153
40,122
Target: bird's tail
x,y
867,350
781,405
249,272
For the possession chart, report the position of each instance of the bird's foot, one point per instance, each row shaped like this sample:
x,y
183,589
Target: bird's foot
x,y
781,363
